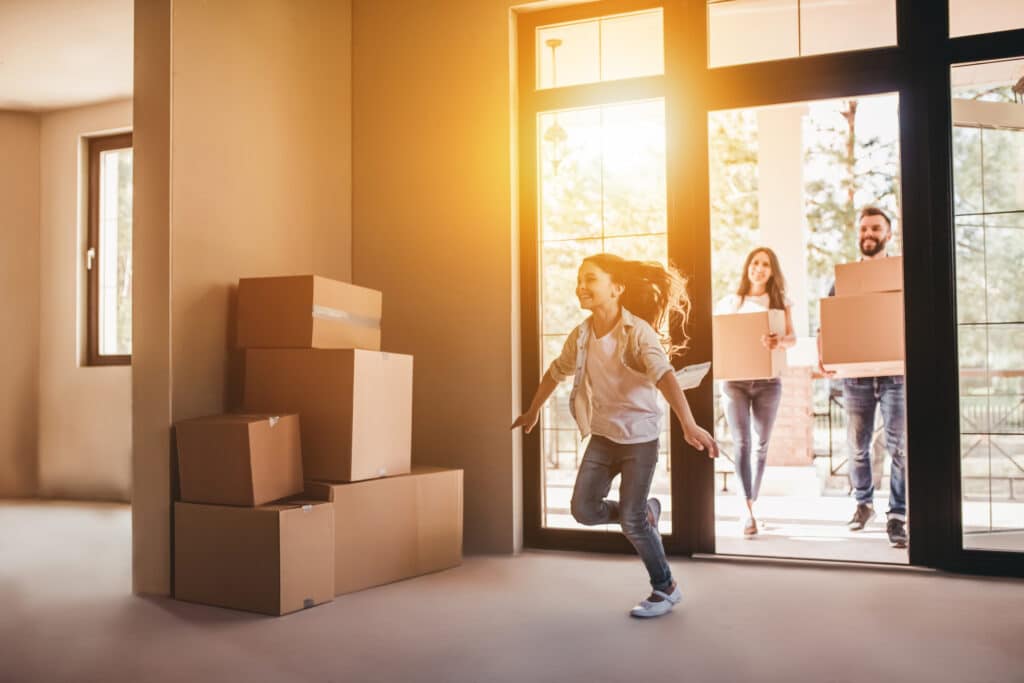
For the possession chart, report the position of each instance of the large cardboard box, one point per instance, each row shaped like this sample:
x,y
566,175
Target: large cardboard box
x,y
871,275
273,559
394,528
862,336
737,349
239,459
356,407
307,311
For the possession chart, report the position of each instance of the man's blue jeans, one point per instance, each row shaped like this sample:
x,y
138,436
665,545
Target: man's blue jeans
x,y
861,395
636,462
751,403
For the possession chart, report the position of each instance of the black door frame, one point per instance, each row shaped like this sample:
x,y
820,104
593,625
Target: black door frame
x,y
918,69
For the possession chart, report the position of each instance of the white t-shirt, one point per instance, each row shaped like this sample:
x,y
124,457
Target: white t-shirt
x,y
625,402
751,304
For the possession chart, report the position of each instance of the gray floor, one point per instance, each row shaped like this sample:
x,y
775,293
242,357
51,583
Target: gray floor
x,y
68,615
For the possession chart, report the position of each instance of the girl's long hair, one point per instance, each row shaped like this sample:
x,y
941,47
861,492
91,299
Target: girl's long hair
x,y
652,292
776,285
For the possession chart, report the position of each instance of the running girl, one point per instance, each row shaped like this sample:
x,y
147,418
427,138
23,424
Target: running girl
x,y
617,361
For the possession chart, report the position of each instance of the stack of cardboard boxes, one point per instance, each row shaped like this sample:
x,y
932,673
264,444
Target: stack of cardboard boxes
x,y
312,349
862,325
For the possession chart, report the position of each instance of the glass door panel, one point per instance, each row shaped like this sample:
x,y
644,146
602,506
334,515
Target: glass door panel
x,y
602,189
988,185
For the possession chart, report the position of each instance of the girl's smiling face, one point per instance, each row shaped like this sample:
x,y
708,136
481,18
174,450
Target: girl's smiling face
x,y
595,288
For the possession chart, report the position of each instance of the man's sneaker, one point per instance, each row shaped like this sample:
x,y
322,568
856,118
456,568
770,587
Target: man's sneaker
x,y
656,604
897,531
864,514
653,512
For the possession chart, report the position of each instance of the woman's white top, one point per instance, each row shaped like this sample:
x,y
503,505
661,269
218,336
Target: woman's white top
x,y
750,304
625,402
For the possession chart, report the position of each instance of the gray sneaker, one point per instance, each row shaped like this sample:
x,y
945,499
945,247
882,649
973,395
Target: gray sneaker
x,y
653,511
861,516
897,531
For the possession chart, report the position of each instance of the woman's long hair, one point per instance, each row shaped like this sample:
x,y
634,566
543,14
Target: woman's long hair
x,y
652,292
776,285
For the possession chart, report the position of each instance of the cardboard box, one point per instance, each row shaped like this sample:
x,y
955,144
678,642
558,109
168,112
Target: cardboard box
x,y
356,407
239,459
737,349
307,312
272,559
394,528
871,275
862,336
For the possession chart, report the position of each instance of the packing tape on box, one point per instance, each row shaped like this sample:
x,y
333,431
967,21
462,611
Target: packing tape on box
x,y
274,420
307,508
328,313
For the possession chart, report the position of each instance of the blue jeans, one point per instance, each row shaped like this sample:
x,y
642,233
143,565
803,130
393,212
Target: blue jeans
x,y
636,462
751,402
861,395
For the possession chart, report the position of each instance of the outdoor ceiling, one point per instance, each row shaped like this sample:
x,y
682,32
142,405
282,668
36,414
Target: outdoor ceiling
x,y
64,53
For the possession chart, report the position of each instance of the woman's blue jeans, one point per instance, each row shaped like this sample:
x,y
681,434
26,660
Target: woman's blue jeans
x,y
751,403
636,463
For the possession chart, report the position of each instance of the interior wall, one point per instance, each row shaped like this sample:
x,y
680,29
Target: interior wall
x,y
84,412
434,229
19,303
248,110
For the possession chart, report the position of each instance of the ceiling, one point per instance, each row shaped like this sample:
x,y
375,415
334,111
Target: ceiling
x,y
64,53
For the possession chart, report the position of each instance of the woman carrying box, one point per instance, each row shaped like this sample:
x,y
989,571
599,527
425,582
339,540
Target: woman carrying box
x,y
755,403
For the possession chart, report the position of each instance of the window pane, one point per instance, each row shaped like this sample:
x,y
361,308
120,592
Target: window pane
x,y
633,139
1004,256
632,46
568,54
570,172
115,253
969,17
967,171
744,31
604,49
1004,168
561,261
840,25
970,272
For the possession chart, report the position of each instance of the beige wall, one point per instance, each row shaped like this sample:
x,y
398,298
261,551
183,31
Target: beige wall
x,y
19,302
84,412
434,229
251,134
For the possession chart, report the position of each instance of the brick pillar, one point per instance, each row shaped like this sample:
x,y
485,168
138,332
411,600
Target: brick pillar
x,y
792,441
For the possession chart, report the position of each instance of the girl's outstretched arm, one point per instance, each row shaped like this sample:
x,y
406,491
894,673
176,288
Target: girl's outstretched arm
x,y
529,419
695,436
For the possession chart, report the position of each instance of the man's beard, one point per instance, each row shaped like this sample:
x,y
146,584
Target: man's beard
x,y
877,248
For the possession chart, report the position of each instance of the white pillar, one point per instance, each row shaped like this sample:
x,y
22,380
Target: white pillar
x,y
781,200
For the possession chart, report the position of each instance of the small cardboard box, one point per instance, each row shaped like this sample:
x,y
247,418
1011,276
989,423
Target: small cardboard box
x,y
862,336
239,459
307,312
272,559
394,528
737,349
870,275
356,407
